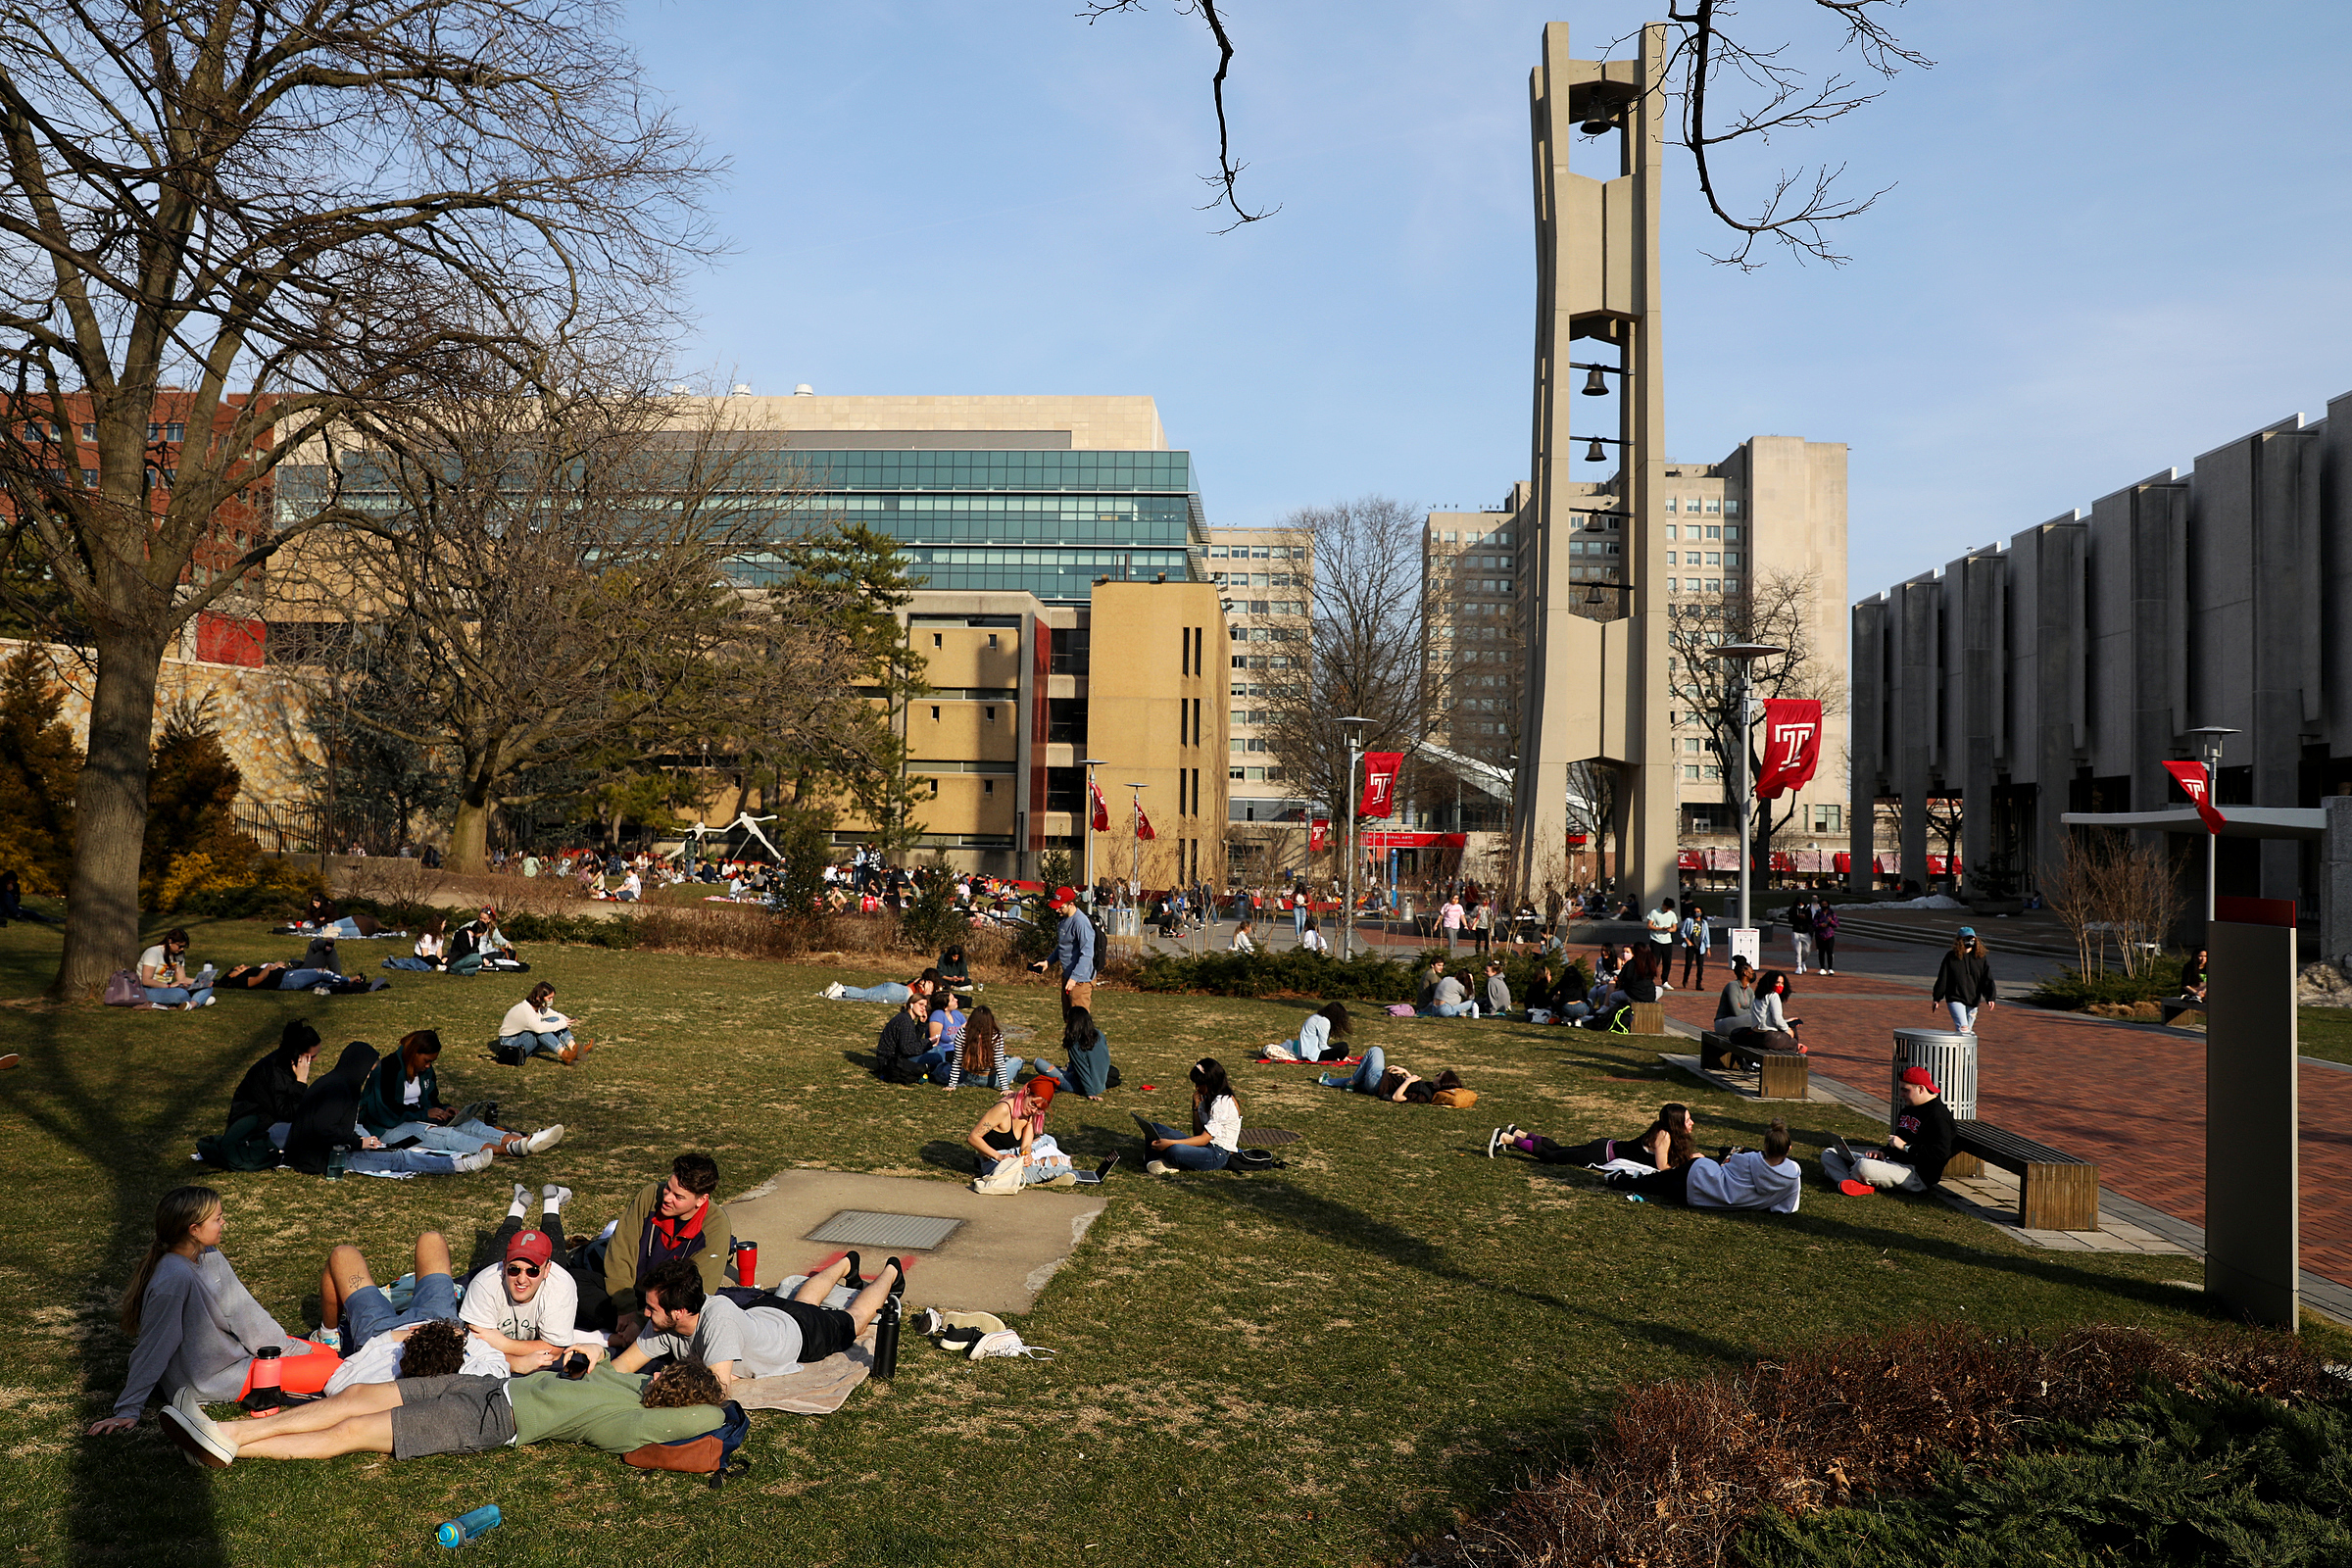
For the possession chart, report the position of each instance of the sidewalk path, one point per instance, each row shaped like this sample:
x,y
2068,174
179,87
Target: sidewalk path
x,y
2131,1098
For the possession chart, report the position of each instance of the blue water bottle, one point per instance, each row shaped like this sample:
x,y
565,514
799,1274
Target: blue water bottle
x,y
466,1526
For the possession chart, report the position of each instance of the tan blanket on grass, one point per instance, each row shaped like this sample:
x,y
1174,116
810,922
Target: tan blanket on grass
x,y
816,1389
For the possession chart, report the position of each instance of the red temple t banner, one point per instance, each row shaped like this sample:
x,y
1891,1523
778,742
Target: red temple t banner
x,y
1101,819
1318,835
1143,823
1791,745
1380,783
2190,776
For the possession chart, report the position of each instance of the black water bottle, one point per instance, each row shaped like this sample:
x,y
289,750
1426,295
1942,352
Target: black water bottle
x,y
886,1339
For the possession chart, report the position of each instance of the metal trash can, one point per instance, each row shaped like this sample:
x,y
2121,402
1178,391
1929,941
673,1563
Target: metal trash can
x,y
1950,1057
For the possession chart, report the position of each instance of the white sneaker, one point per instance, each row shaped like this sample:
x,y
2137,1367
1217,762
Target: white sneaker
x,y
522,1195
209,1001
553,1196
1006,1342
1158,1168
545,1139
198,1436
479,1159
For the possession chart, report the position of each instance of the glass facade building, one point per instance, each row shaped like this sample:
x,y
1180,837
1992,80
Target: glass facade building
x,y
1045,523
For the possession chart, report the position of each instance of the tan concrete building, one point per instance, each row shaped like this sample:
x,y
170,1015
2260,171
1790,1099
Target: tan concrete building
x,y
1266,577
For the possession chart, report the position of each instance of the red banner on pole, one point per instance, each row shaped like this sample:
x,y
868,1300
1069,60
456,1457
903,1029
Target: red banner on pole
x,y
1791,745
1379,784
1318,835
1143,823
2190,776
1101,816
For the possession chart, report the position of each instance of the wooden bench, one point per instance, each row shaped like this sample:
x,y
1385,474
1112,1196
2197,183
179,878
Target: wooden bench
x,y
1779,1074
2173,1006
2056,1191
1649,1017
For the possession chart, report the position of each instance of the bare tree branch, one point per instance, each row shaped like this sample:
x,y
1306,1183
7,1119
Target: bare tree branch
x,y
1228,172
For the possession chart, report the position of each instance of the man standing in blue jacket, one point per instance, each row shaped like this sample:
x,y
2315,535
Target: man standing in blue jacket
x,y
1073,951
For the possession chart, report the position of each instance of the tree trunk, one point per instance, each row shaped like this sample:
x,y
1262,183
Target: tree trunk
x,y
469,833
110,804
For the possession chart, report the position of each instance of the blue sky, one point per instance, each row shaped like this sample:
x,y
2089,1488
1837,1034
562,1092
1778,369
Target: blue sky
x,y
2116,239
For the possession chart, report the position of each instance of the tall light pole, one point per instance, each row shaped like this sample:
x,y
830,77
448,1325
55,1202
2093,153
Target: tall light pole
x,y
1353,724
1741,657
2207,738
1088,807
1135,820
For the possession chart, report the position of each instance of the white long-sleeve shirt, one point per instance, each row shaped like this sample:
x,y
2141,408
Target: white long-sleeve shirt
x,y
1746,1180
524,1019
1768,1013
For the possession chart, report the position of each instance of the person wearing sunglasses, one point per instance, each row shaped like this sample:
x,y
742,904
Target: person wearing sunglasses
x,y
526,1303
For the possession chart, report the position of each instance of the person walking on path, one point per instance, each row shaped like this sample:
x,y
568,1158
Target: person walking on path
x,y
1964,981
1661,924
1801,932
1451,918
1825,934
1696,944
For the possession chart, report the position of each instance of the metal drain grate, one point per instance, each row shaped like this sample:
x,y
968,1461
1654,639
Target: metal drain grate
x,y
897,1232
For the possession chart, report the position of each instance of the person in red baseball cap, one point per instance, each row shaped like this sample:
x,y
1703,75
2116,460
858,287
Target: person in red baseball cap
x,y
1074,952
527,1301
1918,1146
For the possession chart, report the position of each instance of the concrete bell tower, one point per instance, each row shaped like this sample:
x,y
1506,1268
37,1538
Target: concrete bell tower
x,y
1597,686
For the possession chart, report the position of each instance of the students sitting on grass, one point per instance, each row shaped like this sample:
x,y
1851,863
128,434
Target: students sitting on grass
x,y
979,1056
432,947
775,1337
1449,998
1655,1146
1216,1126
533,1027
1013,1131
164,976
518,1298
261,1108
1917,1150
1743,1178
1087,1049
480,945
675,1218
1497,999
1312,938
401,1105
351,1305
954,971
326,1127
411,1417
1241,942
903,1050
198,1328
942,1029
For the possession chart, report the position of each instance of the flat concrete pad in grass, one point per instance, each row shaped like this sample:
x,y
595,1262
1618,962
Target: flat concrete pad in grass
x,y
995,1261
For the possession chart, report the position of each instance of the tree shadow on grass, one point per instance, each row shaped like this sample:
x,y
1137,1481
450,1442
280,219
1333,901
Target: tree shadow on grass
x,y
128,1493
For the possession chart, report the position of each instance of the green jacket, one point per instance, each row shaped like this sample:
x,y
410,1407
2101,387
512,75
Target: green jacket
x,y
380,1106
601,1408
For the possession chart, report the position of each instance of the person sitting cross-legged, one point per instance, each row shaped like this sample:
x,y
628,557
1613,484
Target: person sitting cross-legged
x,y
409,1418
534,1027
775,1337
400,1104
903,1050
1918,1148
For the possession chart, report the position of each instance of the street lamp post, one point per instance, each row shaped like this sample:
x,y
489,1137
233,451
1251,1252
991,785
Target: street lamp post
x,y
1353,724
1741,657
1135,819
2207,738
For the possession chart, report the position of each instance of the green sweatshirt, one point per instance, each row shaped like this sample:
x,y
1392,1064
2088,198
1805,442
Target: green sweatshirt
x,y
380,1107
601,1408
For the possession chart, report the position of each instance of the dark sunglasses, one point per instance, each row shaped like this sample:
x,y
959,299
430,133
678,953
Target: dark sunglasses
x,y
532,1269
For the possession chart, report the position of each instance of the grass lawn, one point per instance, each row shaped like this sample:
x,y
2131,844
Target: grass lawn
x,y
1307,1366
2324,1032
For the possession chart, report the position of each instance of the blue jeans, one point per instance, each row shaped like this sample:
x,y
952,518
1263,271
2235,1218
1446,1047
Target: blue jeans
x,y
933,1063
457,1138
1043,1069
345,927
1187,1156
1366,1077
1964,1016
176,995
1031,1175
1452,1009
889,991
410,963
304,979
369,1312
539,1044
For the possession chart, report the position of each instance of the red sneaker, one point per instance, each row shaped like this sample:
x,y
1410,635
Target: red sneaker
x,y
1854,1189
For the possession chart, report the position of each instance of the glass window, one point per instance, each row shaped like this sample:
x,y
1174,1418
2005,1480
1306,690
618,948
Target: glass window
x,y
1730,530
89,432
1714,503
1670,558
1674,585
1237,744
1259,553
1690,773
175,432
1217,553
1670,510
1730,509
1670,534
1714,558
1713,586
1731,558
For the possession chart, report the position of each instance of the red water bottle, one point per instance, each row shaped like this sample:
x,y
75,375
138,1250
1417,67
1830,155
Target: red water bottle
x,y
261,1391
746,1264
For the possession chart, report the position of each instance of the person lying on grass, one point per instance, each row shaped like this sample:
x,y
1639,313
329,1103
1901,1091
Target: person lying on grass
x,y
401,1105
1917,1150
436,1349
1649,1147
197,1327
889,990
1216,1126
773,1336
411,1417
1743,1178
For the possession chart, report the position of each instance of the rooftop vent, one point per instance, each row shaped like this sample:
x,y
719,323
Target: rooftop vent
x,y
804,390
743,389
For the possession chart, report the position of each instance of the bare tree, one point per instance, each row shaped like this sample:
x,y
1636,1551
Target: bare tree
x,y
291,210
1365,650
1704,65
1778,610
555,581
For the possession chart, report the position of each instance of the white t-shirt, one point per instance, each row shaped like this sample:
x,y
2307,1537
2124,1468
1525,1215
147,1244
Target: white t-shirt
x,y
1223,1123
428,946
1746,1181
412,1092
153,959
548,1315
378,1362
761,1342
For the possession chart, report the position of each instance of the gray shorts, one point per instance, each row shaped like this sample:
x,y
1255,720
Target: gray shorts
x,y
456,1414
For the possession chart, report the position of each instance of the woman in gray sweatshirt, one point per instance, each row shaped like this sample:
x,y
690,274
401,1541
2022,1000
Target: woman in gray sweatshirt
x,y
197,1325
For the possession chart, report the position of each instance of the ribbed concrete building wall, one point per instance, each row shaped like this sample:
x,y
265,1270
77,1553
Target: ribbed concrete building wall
x,y
2058,671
